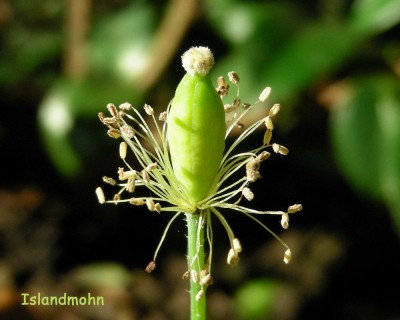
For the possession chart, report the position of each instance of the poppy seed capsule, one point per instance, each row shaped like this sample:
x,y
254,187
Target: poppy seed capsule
x,y
196,128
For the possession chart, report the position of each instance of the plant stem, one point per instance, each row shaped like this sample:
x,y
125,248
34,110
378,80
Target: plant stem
x,y
195,223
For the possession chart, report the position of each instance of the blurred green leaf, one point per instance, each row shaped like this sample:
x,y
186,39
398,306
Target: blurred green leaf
x,y
255,299
366,137
373,16
68,101
119,43
102,275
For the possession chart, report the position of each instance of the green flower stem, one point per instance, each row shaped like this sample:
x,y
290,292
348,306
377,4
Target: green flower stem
x,y
195,223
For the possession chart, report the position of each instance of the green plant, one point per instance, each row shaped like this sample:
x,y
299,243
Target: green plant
x,y
185,167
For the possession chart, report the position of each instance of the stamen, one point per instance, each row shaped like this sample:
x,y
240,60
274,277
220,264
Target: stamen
x,y
130,185
247,193
194,276
285,221
287,256
100,195
274,110
163,116
122,149
137,201
267,137
237,247
128,131
148,109
264,94
113,133
109,180
206,280
126,106
113,110
280,149
233,77
233,258
150,267
269,124
295,208
199,294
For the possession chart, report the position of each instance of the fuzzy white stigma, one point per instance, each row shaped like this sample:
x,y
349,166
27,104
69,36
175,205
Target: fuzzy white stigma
x,y
198,60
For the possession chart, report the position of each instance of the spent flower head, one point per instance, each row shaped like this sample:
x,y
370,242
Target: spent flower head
x,y
169,193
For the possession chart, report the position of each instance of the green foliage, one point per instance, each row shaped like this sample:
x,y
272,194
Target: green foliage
x,y
366,136
255,299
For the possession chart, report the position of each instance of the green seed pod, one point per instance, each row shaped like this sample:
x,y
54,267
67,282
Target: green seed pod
x,y
196,126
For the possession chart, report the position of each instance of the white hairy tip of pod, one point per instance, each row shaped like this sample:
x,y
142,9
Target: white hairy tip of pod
x,y
198,60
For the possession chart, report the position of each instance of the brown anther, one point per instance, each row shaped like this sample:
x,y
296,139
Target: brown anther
x,y
117,197
113,110
113,133
110,121
246,105
157,207
223,87
130,185
185,275
252,170
295,208
150,267
163,116
109,180
221,81
236,103
137,201
145,176
121,174
264,155
150,204
101,117
228,108
128,131
233,77
206,280
124,175
280,149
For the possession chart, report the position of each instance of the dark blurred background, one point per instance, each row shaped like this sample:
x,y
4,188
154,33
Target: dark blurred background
x,y
333,65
